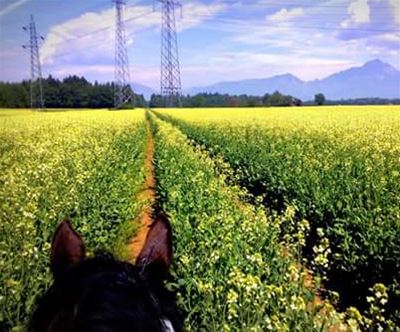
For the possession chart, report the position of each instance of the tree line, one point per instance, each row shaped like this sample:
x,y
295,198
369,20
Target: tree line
x,y
71,92
359,101
77,92
225,100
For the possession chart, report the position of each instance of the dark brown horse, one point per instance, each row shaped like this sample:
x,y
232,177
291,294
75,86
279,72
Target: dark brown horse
x,y
103,294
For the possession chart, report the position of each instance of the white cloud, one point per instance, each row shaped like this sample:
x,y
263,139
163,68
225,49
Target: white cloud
x,y
331,47
274,45
95,32
86,70
10,8
196,13
285,15
390,37
305,51
91,35
359,12
395,4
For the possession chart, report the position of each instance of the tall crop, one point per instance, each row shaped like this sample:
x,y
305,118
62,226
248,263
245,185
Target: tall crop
x,y
84,165
230,270
339,167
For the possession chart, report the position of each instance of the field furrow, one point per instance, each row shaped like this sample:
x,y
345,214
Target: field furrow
x,y
253,196
229,269
83,165
338,168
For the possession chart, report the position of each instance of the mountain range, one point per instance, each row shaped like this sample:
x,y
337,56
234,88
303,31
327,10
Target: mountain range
x,y
374,79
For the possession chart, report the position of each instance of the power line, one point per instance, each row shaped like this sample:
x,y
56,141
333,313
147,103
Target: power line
x,y
36,90
293,4
73,52
243,22
101,29
170,69
233,21
122,89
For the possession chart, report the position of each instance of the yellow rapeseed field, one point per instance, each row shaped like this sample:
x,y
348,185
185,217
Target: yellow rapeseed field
x,y
338,167
86,165
239,185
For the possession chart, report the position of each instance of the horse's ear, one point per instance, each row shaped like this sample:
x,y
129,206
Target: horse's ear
x,y
155,257
67,248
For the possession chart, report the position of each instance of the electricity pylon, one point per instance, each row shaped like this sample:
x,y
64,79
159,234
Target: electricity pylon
x,y
122,90
37,101
170,69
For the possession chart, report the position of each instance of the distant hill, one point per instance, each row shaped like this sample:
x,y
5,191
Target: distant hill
x,y
374,79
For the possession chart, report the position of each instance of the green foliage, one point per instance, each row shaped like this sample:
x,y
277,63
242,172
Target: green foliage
x,y
71,92
342,176
278,99
83,165
14,95
156,101
225,100
229,269
319,99
332,173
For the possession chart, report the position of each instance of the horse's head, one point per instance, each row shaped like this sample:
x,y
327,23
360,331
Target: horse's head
x,y
103,294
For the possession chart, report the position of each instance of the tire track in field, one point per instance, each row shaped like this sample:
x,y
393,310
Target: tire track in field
x,y
148,196
318,301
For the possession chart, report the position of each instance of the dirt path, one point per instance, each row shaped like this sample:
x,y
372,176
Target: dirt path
x,y
147,196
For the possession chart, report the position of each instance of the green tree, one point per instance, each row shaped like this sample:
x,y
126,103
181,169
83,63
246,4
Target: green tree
x,y
278,99
319,99
265,99
156,100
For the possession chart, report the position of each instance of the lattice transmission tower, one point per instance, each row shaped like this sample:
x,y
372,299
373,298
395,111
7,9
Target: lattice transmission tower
x,y
170,69
123,93
36,92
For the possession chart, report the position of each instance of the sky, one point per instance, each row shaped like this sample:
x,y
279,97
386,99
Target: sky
x,y
219,40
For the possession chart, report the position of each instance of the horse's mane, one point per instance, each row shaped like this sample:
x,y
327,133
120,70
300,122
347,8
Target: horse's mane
x,y
104,294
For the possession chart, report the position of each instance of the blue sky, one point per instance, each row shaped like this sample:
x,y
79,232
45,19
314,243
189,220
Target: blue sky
x,y
219,40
